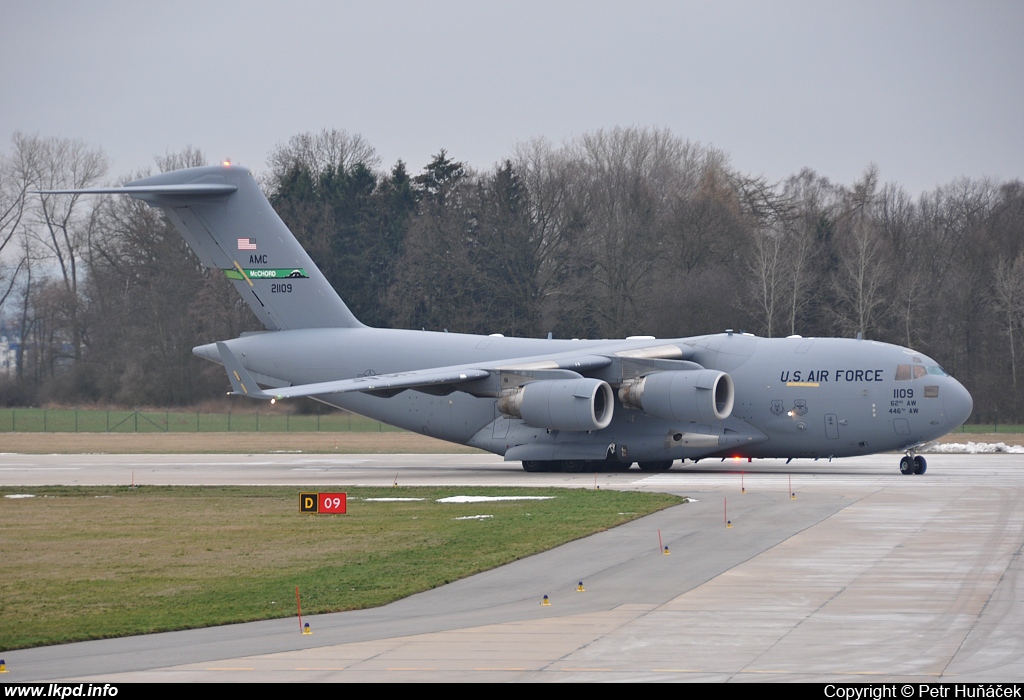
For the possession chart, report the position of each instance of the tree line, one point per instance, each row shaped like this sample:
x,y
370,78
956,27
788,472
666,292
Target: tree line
x,y
626,231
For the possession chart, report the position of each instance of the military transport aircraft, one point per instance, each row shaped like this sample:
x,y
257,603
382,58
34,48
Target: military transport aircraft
x,y
551,404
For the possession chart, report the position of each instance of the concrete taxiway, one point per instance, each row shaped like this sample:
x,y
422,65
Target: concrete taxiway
x,y
866,576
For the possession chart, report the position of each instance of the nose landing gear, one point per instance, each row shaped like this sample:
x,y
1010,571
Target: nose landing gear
x,y
913,464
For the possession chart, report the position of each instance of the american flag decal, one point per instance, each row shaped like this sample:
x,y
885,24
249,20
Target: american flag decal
x,y
247,244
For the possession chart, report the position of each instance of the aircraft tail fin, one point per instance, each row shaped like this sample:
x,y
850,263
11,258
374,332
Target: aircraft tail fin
x,y
228,222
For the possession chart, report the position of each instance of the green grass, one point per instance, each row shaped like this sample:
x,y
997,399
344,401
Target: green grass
x,y
91,562
279,419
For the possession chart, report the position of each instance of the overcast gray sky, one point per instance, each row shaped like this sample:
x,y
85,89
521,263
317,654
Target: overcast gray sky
x,y
929,91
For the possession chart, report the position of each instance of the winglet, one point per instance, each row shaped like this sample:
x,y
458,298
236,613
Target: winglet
x,y
241,381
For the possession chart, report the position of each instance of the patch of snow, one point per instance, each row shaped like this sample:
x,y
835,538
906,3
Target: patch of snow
x,y
473,517
20,495
974,448
485,499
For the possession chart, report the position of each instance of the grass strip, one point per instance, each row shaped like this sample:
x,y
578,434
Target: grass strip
x,y
91,562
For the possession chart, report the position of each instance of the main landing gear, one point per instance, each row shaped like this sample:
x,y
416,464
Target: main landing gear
x,y
913,464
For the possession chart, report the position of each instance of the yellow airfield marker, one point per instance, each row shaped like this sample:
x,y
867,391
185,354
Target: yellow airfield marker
x,y
545,601
306,629
580,588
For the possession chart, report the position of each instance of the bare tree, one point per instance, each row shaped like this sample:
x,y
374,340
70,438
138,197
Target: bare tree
x,y
766,268
12,207
860,282
628,184
780,254
25,313
862,275
331,149
556,221
16,173
62,222
188,157
1008,289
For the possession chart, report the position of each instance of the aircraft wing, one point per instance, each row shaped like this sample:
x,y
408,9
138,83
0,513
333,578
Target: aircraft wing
x,y
439,379
242,381
398,381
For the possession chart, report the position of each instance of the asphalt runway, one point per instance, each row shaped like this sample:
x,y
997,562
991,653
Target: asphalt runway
x,y
865,576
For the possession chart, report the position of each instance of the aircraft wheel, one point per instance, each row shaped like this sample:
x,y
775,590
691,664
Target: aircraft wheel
x,y
662,466
920,465
535,465
906,465
573,466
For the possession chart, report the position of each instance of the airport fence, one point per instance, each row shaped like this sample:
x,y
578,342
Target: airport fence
x,y
73,420
991,428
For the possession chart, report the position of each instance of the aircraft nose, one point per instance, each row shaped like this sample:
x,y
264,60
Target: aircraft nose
x,y
958,404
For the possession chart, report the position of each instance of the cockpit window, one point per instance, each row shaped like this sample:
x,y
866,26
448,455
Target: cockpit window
x,y
905,373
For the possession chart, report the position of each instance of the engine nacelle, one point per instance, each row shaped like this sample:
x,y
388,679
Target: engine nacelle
x,y
561,404
699,395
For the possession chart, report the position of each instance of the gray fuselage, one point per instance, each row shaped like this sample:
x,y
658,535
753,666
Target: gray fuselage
x,y
794,397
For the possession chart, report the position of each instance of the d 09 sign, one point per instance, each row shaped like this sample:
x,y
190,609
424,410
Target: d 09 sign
x,y
331,503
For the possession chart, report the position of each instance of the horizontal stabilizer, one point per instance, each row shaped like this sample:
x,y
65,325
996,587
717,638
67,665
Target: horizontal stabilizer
x,y
186,190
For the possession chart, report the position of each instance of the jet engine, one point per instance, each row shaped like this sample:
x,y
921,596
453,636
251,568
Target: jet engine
x,y
561,404
698,396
